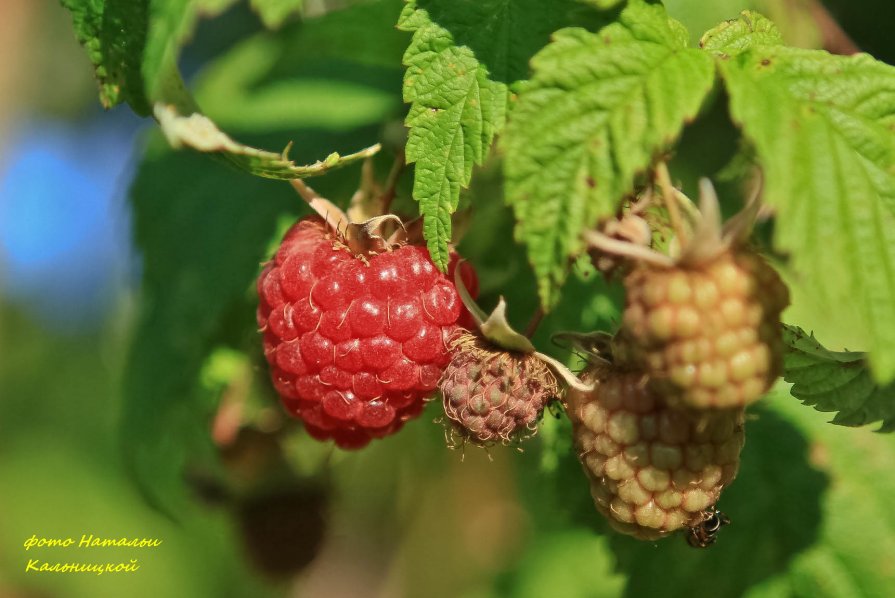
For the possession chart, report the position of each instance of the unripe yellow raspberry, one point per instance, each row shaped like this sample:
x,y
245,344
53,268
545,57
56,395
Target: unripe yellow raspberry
x,y
708,336
652,469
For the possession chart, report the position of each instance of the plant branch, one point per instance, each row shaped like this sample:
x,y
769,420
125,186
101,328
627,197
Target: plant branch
x,y
534,322
391,182
835,39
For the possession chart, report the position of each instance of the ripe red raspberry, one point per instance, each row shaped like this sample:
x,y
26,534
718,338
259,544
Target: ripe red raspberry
x,y
491,395
708,335
652,469
354,344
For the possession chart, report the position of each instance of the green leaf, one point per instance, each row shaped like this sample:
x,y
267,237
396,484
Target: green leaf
x,y
836,381
460,62
202,234
570,550
340,71
857,535
823,128
299,103
134,45
199,133
113,32
738,35
698,16
274,12
365,34
599,107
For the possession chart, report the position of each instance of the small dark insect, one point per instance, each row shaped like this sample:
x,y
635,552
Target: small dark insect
x,y
704,534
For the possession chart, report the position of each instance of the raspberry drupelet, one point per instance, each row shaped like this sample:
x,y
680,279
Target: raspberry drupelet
x,y
653,469
355,343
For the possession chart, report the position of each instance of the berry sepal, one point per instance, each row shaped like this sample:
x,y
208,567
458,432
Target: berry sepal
x,y
497,330
497,384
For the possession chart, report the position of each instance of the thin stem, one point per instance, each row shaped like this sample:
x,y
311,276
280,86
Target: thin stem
x,y
333,215
305,191
534,322
391,182
835,39
669,198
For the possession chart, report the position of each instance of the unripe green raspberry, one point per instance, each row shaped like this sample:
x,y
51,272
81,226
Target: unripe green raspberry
x,y
652,469
709,336
491,395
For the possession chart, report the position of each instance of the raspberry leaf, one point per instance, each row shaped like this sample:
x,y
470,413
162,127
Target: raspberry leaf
x,y
462,59
133,45
344,72
200,133
822,126
733,37
600,105
571,562
858,496
117,70
837,381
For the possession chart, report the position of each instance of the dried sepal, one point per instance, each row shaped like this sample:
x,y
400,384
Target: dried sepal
x,y
497,330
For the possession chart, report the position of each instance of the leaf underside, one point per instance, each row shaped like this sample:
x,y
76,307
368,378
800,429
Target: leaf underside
x,y
199,133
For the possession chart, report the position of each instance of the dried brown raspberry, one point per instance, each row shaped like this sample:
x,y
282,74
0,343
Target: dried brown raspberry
x,y
491,395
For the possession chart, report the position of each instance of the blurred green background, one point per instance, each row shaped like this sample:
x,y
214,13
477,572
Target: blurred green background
x,y
128,358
